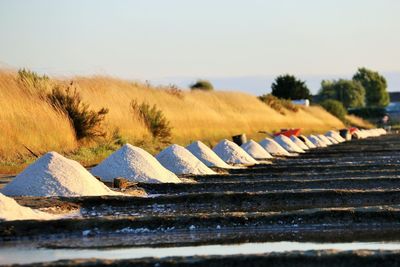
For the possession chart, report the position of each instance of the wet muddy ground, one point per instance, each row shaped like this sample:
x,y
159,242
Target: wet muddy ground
x,y
343,193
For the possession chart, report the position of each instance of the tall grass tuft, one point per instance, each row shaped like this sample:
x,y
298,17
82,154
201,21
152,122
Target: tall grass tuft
x,y
28,121
154,120
87,123
278,104
33,82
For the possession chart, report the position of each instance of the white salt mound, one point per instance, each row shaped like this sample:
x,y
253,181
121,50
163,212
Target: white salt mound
x,y
307,141
299,143
233,154
374,132
324,139
366,133
333,140
273,147
180,161
316,141
360,134
134,164
54,175
288,144
206,155
335,135
382,131
10,210
255,150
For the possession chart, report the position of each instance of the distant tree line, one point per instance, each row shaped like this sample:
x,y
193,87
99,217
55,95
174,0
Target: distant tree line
x,y
367,88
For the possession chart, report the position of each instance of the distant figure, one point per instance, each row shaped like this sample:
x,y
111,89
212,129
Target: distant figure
x,y
384,122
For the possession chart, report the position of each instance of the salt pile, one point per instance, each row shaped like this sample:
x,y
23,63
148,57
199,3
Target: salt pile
x,y
324,139
134,164
288,144
333,140
180,161
206,155
335,135
233,154
255,150
10,210
316,141
273,147
382,131
299,143
307,141
54,175
376,132
360,134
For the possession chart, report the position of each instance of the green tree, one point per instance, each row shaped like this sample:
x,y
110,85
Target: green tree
x,y
202,85
335,107
350,93
289,87
375,87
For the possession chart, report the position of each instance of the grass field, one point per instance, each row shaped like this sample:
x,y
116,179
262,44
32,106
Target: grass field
x,y
28,121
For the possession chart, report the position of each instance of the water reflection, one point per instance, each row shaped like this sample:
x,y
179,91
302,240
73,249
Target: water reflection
x,y
21,255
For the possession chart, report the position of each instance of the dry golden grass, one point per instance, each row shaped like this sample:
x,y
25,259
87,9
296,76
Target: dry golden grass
x,y
25,120
359,122
197,115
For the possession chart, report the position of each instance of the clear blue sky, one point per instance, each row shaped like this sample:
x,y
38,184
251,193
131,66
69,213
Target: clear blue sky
x,y
155,39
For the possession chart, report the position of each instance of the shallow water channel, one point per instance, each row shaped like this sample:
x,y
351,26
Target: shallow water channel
x,y
26,254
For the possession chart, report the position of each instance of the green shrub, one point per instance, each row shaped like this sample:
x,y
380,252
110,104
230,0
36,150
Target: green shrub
x,y
335,107
154,120
202,85
278,104
350,93
87,123
368,112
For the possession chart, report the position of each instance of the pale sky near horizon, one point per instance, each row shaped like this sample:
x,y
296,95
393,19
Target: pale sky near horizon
x,y
150,39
